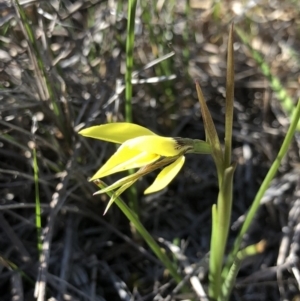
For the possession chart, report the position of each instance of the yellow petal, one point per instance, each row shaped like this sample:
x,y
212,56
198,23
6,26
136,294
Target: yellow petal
x,y
117,194
166,176
115,132
163,146
118,183
125,158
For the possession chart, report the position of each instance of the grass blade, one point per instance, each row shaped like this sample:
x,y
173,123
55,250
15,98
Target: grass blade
x,y
133,203
221,223
211,133
281,93
229,100
232,274
264,186
38,221
44,87
132,217
129,59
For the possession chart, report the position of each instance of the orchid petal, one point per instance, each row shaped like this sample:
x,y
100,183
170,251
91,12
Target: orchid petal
x,y
118,183
163,146
117,194
125,158
116,132
166,176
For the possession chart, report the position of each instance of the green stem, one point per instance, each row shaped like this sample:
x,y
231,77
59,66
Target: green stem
x,y
133,203
38,222
132,217
264,186
221,223
129,58
229,101
233,272
222,212
149,239
198,146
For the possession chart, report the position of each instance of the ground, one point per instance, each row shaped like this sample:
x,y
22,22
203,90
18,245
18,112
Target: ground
x,y
70,75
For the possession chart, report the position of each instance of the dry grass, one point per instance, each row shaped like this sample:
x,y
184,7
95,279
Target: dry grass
x,y
81,45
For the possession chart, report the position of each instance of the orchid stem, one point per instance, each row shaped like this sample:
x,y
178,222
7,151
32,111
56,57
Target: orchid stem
x,y
134,220
133,202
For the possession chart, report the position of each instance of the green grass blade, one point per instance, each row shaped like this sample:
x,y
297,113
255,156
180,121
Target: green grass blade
x,y
186,37
232,274
38,221
264,186
134,220
133,203
211,134
213,259
129,59
281,93
220,232
40,65
229,100
12,266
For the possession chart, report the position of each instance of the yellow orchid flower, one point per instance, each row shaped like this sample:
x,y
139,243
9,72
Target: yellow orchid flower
x,y
142,149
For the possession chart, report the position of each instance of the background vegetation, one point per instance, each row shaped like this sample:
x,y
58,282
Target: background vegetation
x,y
62,66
